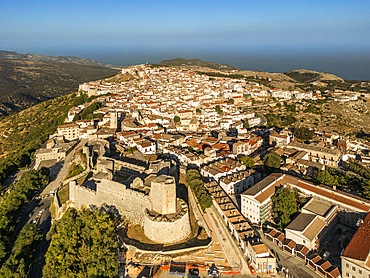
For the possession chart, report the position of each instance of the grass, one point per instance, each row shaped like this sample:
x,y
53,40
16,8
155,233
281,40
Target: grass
x,y
63,194
74,170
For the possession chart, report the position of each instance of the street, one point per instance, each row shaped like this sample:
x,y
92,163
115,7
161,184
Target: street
x,y
296,266
232,252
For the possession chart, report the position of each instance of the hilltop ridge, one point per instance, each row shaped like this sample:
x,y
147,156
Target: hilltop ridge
x,y
298,79
27,79
195,63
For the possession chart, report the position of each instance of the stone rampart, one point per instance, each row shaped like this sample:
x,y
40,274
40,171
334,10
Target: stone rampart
x,y
130,203
197,212
118,164
167,231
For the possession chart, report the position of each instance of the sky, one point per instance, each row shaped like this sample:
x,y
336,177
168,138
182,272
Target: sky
x,y
331,36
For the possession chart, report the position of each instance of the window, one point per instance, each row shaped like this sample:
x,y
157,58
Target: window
x,y
353,268
360,271
347,274
347,265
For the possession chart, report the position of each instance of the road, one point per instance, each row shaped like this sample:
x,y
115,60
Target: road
x,y
232,252
296,267
42,213
42,216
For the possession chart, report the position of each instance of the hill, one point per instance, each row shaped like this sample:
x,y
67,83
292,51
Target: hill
x,y
30,128
27,79
301,80
309,76
195,63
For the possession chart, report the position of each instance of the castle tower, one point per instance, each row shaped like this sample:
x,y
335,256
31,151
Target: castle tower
x,y
113,119
163,194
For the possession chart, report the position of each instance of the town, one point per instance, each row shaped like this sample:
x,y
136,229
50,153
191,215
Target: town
x,y
204,183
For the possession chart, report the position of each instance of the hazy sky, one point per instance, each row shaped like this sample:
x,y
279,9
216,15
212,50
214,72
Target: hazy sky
x,y
272,35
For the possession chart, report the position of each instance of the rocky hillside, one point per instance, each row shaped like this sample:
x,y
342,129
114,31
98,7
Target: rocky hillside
x,y
195,63
26,79
309,76
301,80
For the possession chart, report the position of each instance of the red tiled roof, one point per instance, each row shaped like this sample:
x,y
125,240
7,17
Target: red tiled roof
x,y
359,246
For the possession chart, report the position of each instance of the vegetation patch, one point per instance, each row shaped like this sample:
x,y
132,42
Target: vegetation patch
x,y
74,170
23,253
12,201
83,244
194,181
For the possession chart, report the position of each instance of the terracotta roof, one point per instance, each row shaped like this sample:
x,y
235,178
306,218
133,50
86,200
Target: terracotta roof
x,y
279,236
333,271
260,248
324,264
302,249
333,195
271,232
359,246
314,258
266,194
290,243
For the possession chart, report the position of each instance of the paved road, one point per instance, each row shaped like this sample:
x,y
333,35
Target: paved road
x,y
296,267
42,216
232,252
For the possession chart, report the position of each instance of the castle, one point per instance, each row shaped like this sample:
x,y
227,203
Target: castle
x,y
153,205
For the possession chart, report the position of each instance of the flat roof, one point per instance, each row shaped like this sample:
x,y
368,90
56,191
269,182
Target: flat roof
x,y
262,184
317,206
301,222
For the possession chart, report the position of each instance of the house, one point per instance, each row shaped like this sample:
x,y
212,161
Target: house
x,y
356,256
322,155
310,225
304,229
70,131
279,139
256,201
261,260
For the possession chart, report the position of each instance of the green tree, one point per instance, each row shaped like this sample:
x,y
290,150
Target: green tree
x,y
194,181
19,262
272,160
176,119
366,189
288,120
284,206
83,244
303,133
326,178
246,124
198,111
247,161
218,109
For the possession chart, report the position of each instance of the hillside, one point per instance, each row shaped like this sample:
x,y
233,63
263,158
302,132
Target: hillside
x,y
195,63
301,80
29,129
26,80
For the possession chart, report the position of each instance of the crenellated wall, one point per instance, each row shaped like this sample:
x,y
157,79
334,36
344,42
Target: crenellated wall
x,y
167,231
130,203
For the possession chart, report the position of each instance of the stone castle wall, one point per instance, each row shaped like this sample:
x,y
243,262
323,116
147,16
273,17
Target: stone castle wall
x,y
130,203
167,232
